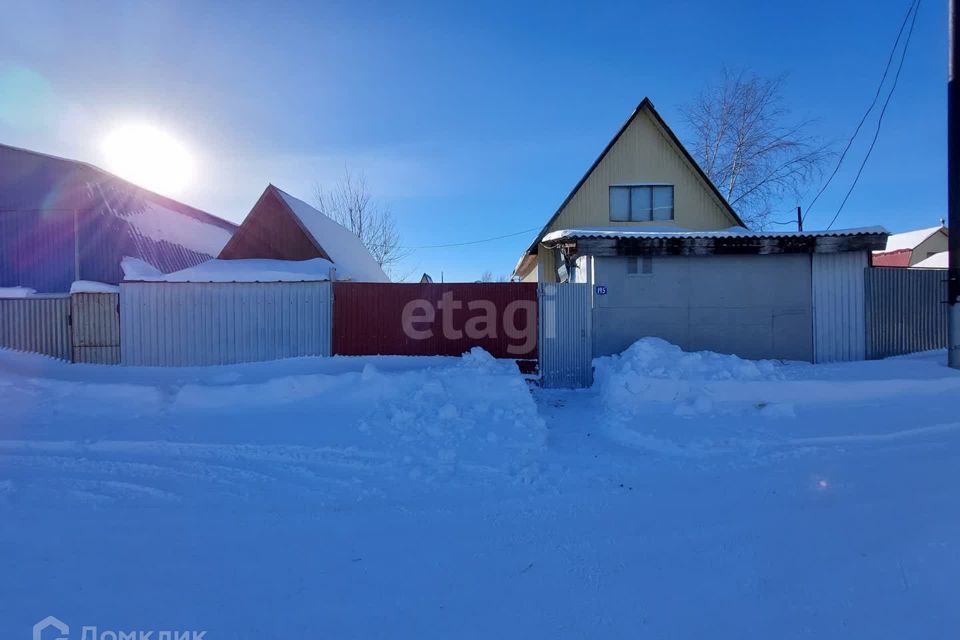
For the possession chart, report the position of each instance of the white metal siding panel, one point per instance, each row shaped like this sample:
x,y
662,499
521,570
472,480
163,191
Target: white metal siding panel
x,y
38,324
565,339
839,315
198,324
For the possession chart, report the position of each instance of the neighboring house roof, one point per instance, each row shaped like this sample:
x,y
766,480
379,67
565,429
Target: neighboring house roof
x,y
666,233
59,216
282,227
911,239
899,258
936,261
645,105
252,270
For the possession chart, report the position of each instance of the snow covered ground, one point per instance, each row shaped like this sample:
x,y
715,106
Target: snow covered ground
x,y
684,496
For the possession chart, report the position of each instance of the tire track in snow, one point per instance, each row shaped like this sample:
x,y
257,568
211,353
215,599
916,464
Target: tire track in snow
x,y
893,436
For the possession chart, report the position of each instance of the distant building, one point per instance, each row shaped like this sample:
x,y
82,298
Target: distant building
x,y
426,279
281,227
910,248
936,261
63,221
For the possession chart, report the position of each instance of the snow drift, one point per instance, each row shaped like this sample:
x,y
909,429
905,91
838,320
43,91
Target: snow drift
x,y
653,371
433,416
654,375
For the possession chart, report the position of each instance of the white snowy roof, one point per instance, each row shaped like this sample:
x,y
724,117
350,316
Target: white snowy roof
x,y
162,223
249,270
16,292
91,286
936,261
352,260
680,232
909,239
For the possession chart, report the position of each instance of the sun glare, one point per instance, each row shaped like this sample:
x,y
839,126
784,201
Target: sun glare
x,y
149,157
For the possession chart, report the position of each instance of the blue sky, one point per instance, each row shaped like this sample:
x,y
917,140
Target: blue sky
x,y
471,120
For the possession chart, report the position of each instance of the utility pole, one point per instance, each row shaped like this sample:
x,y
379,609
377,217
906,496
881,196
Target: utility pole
x,y
953,192
799,220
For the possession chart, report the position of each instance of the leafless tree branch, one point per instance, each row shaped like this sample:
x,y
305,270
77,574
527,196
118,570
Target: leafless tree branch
x,y
746,144
350,203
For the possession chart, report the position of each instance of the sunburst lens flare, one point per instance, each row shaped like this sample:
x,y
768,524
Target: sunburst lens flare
x,y
150,157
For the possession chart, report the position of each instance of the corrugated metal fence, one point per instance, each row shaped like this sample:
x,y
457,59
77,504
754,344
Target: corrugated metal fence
x,y
39,323
566,338
906,311
436,319
197,324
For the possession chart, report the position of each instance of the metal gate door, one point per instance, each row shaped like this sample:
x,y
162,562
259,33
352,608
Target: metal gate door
x,y
373,318
95,321
565,340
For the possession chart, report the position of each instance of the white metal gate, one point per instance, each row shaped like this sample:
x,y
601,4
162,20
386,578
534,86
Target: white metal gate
x,y
839,315
565,335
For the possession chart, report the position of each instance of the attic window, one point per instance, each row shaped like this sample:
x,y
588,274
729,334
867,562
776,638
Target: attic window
x,y
641,203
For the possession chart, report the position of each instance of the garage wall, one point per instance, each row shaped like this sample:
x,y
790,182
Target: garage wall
x,y
751,306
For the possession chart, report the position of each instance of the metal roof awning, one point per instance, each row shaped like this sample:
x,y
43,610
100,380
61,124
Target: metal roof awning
x,y
612,241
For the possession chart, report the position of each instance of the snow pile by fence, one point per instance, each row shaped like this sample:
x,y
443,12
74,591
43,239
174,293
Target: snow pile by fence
x,y
477,413
655,371
653,375
426,421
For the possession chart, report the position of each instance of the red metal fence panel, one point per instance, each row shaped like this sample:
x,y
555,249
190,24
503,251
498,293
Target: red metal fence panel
x,y
431,319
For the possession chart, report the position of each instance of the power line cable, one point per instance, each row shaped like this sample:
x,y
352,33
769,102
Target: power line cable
x,y
876,97
883,111
462,244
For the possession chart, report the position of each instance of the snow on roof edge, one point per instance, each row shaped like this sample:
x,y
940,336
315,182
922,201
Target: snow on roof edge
x,y
911,239
345,249
245,270
680,232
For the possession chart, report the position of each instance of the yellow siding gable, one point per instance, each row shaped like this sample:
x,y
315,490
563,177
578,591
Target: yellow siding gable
x,y
644,153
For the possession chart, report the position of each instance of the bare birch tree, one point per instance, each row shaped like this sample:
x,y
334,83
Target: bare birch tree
x,y
489,277
747,143
350,203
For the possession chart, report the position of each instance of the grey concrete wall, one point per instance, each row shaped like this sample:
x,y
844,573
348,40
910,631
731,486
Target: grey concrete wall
x,y
751,306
